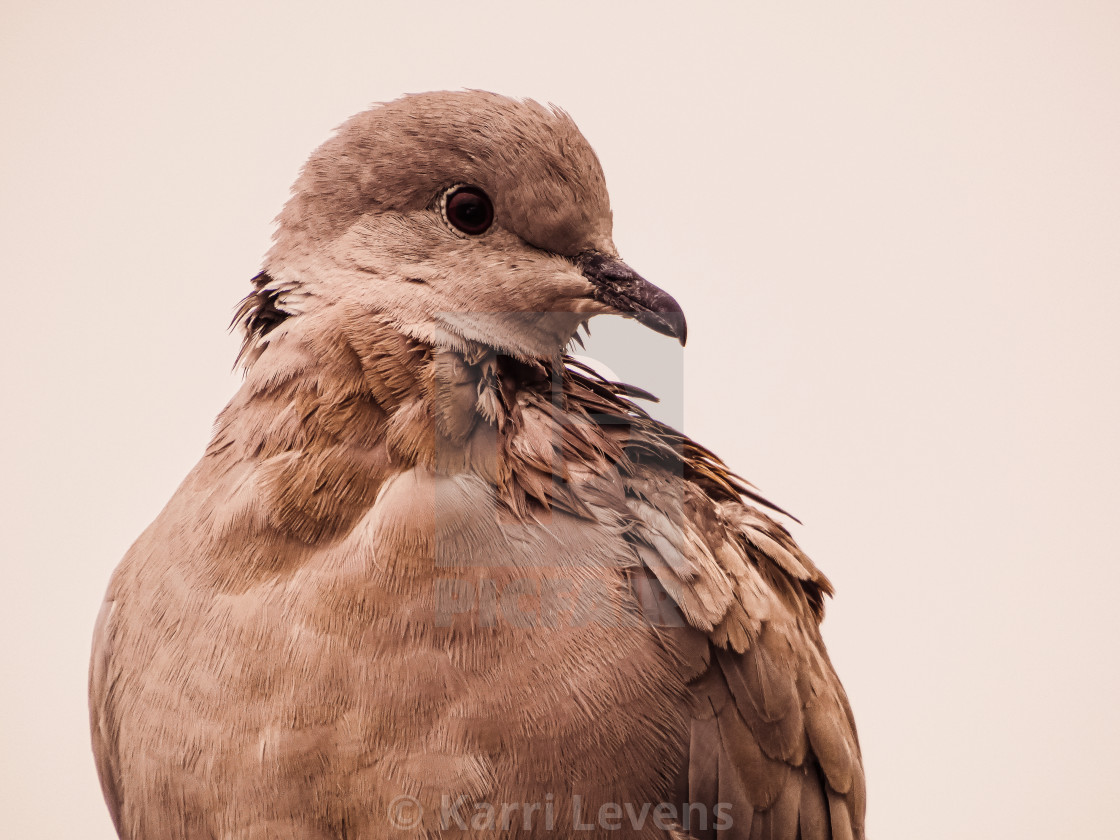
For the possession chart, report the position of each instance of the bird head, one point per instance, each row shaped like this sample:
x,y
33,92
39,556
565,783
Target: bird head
x,y
466,219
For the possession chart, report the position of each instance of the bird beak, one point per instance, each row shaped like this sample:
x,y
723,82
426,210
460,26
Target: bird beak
x,y
628,293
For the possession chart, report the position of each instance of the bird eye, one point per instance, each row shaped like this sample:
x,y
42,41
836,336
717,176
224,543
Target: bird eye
x,y
468,209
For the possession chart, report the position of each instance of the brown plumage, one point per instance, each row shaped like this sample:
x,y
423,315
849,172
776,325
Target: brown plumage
x,y
427,555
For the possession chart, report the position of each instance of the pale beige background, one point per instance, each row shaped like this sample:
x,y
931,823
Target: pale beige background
x,y
894,226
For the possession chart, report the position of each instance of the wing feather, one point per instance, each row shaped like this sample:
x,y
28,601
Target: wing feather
x,y
770,730
703,775
813,819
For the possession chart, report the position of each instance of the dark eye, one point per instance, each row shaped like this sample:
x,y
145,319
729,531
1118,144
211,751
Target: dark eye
x,y
469,209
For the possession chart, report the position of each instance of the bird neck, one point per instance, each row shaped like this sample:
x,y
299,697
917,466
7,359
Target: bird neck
x,y
320,426
423,403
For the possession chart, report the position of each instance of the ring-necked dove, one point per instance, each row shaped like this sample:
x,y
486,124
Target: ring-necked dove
x,y
432,576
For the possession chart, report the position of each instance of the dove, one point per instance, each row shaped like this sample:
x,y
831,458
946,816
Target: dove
x,y
434,576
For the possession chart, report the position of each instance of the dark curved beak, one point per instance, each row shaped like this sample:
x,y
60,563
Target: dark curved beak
x,y
628,293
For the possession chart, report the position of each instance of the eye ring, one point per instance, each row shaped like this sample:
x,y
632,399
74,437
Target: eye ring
x,y
467,209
